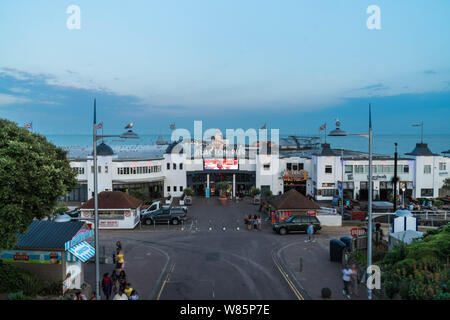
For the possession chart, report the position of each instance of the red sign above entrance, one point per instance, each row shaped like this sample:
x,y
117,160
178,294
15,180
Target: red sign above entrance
x,y
221,164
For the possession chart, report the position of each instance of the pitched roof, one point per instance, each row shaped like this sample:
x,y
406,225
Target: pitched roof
x,y
421,149
113,200
48,235
292,200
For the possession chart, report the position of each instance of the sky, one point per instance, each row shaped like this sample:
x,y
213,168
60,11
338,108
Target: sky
x,y
292,64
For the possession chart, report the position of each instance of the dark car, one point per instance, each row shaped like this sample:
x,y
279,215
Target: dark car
x,y
173,215
297,224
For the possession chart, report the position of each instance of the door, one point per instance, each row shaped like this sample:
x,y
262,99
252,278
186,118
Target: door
x,y
162,216
303,223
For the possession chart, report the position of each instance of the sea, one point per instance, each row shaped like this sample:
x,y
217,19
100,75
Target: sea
x,y
382,144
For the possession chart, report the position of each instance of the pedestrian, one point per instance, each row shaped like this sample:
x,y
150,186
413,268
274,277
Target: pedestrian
x,y
115,280
128,289
346,277
107,285
259,222
93,297
249,222
355,280
246,222
120,296
255,222
79,296
411,207
133,295
120,263
310,233
122,280
326,293
118,247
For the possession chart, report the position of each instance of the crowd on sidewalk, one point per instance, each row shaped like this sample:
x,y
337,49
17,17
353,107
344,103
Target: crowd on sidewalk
x,y
116,284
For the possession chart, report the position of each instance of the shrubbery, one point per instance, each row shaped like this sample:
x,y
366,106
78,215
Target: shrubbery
x,y
24,284
421,270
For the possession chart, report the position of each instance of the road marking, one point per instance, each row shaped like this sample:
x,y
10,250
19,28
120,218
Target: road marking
x,y
289,281
165,281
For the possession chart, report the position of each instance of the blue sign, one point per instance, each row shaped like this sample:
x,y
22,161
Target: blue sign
x,y
83,251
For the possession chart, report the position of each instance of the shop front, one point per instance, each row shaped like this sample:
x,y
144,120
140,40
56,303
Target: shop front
x,y
201,181
295,180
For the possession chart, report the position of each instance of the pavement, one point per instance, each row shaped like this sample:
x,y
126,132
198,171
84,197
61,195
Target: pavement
x,y
213,256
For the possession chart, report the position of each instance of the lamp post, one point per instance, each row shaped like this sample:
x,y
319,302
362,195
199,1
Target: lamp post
x,y
341,133
127,135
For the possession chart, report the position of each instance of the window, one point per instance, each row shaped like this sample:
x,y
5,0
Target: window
x,y
289,166
168,166
348,169
168,188
79,170
106,169
92,169
174,166
175,188
301,166
328,192
406,169
267,166
427,169
99,169
181,166
427,192
359,169
181,188
328,169
442,166
295,166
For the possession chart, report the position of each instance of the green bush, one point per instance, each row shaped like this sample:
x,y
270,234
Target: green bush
x,y
18,296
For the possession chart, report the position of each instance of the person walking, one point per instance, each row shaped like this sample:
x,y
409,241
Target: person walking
x,y
355,280
346,277
255,222
310,233
107,285
120,263
259,222
128,289
133,295
122,280
120,296
115,281
250,222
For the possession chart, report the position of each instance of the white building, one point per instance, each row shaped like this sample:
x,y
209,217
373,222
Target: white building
x,y
158,171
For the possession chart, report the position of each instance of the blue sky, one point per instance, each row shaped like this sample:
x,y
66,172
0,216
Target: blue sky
x,y
291,64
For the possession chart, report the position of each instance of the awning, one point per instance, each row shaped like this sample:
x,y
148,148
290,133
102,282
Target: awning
x,y
83,251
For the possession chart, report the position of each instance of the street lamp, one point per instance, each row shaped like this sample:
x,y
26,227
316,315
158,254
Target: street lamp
x,y
341,133
126,135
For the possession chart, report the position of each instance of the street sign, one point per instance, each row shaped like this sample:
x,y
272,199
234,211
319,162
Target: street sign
x,y
83,251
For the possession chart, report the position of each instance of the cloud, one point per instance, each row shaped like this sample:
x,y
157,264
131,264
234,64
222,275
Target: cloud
x,y
19,90
8,99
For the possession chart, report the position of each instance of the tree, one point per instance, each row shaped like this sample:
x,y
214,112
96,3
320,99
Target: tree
x,y
255,191
188,191
222,186
34,173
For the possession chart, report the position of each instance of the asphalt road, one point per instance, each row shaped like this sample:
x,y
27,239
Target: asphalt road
x,y
207,258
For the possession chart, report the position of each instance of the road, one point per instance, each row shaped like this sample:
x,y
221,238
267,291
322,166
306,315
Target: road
x,y
211,257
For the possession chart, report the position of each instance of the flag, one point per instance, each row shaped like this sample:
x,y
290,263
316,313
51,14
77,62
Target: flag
x,y
99,125
172,126
323,127
29,125
263,127
417,125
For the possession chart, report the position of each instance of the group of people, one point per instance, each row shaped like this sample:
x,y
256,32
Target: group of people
x,y
350,278
117,284
253,222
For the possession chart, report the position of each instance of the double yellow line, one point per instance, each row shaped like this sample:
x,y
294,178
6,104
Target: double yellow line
x,y
165,281
289,281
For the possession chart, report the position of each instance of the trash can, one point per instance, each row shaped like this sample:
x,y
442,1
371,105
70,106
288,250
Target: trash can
x,y
347,241
336,249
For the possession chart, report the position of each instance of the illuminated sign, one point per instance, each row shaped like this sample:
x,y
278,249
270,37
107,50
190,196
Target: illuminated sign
x,y
221,164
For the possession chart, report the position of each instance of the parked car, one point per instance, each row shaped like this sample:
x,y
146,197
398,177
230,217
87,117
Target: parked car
x,y
297,223
173,215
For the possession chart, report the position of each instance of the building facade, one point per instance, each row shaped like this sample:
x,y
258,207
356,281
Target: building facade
x,y
157,171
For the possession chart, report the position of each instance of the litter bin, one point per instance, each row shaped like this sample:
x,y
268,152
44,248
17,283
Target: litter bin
x,y
336,249
347,241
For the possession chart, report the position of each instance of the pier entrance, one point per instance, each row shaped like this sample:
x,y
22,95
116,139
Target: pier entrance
x,y
240,182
